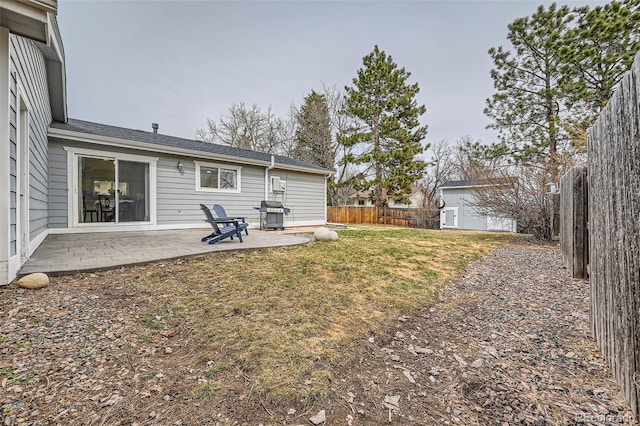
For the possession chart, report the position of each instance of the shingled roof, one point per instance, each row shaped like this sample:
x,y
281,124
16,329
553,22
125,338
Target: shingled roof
x,y
172,142
469,183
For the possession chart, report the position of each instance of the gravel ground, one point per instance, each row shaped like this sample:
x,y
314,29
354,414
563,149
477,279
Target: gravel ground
x,y
507,343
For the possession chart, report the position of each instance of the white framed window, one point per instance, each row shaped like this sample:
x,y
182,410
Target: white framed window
x,y
212,177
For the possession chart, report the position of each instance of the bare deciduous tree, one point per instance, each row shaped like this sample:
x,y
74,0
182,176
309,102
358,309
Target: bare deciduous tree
x,y
518,193
248,128
440,168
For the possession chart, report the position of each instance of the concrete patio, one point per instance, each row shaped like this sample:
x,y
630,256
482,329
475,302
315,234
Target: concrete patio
x,y
68,253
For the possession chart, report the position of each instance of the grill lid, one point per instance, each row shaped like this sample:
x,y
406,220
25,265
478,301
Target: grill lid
x,y
270,204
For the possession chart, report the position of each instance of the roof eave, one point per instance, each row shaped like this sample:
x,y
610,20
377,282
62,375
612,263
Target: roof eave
x,y
124,143
26,18
45,5
472,186
53,53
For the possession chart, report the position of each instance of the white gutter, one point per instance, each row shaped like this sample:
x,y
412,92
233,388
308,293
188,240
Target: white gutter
x,y
266,177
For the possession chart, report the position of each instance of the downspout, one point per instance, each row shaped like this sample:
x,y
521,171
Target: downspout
x,y
326,179
266,177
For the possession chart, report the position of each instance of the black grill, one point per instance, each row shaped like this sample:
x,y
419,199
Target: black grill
x,y
273,213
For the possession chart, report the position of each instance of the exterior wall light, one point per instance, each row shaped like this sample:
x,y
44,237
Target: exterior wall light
x,y
180,166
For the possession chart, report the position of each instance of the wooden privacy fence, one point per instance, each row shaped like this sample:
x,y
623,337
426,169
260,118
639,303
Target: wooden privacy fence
x,y
415,218
574,239
614,232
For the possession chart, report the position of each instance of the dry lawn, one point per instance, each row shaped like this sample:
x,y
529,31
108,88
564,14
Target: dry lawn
x,y
282,318
237,336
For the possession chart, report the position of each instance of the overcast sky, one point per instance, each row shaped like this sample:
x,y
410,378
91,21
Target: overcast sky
x,y
177,63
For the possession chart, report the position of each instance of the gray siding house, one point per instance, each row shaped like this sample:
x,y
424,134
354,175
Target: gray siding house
x,y
59,175
158,181
459,212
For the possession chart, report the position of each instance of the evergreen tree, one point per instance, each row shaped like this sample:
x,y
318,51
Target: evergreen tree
x,y
597,52
387,137
527,105
562,71
313,132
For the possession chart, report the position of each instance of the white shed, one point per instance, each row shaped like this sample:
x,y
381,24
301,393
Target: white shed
x,y
459,212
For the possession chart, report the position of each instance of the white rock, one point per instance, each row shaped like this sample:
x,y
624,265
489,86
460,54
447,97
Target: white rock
x,y
477,363
322,234
333,236
409,376
460,360
392,402
492,351
319,418
34,281
420,350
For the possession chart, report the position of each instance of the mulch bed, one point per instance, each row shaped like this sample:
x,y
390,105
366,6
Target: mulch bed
x,y
507,343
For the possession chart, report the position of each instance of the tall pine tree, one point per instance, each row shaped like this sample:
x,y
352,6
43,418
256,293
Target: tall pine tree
x,y
526,106
388,136
596,53
313,142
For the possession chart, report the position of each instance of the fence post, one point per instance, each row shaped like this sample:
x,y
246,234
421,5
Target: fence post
x,y
573,221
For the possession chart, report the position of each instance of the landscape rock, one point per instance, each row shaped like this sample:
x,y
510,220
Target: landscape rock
x,y
34,281
477,363
460,360
319,418
325,234
409,376
392,402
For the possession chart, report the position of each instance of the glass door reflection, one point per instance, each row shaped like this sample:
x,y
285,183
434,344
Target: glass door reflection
x,y
133,187
96,186
112,190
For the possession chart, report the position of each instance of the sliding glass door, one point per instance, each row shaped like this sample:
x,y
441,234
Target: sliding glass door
x,y
112,190
133,192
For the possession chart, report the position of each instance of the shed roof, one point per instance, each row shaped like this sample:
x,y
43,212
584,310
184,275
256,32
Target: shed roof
x,y
471,183
180,145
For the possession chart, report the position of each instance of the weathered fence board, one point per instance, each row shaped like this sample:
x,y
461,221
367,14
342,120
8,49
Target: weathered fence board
x,y
574,240
614,232
416,218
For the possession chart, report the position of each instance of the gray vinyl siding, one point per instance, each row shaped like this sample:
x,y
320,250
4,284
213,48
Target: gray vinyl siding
x,y
178,201
468,217
28,65
13,166
304,195
58,207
